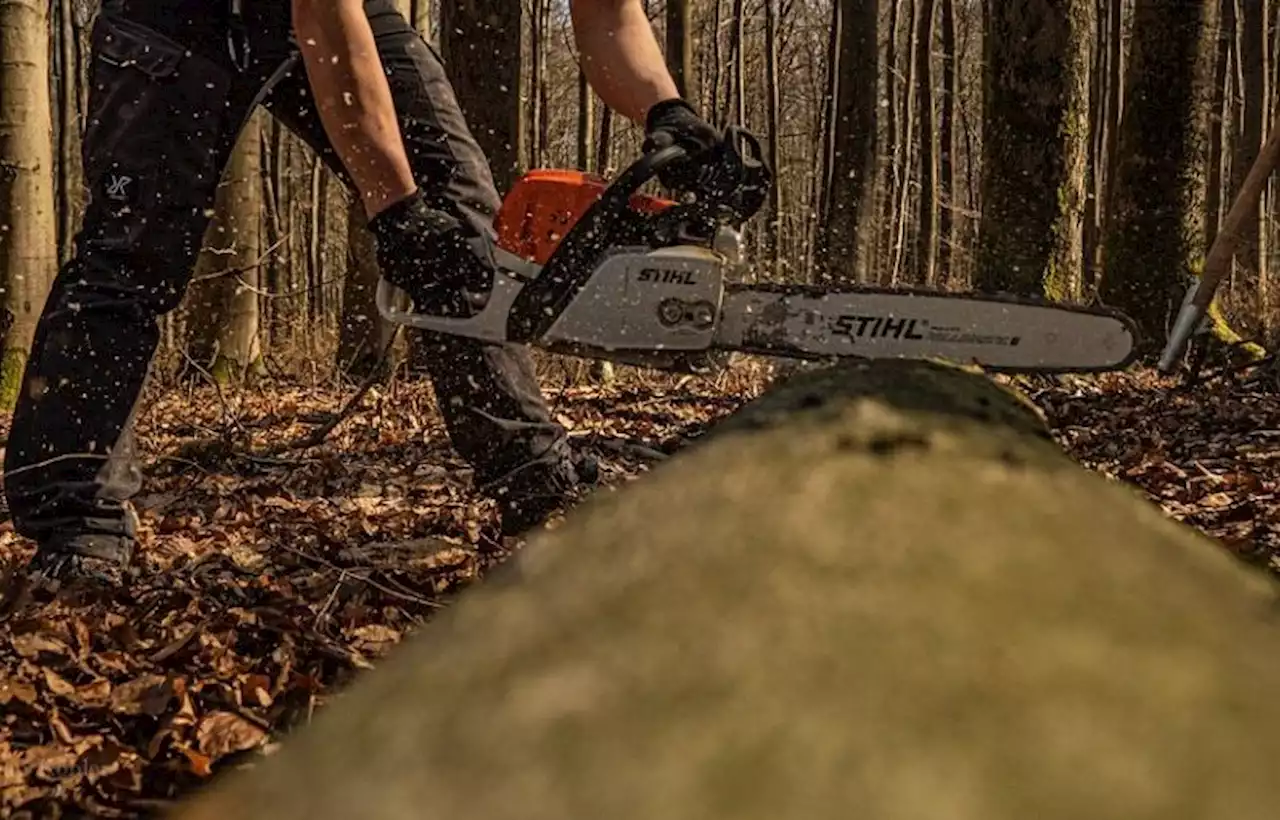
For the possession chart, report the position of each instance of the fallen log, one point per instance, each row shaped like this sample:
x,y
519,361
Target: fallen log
x,y
878,591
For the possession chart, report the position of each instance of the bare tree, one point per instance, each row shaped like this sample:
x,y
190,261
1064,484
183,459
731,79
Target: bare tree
x,y
849,164
1035,144
947,145
1156,228
680,44
927,234
480,41
224,323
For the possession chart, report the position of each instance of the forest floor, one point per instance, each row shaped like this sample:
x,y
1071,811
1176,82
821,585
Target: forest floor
x,y
272,573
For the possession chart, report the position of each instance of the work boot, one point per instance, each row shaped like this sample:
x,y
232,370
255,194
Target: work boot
x,y
535,492
100,557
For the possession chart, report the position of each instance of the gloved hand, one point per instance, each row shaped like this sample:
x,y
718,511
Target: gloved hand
x,y
675,122
425,252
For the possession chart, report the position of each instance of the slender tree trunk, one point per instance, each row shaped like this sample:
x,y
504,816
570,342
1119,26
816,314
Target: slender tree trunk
x,y
772,109
1095,172
1157,229
1115,112
363,334
70,177
604,151
1253,24
908,141
1218,127
716,52
537,51
680,44
739,62
28,214
947,215
893,171
927,235
586,122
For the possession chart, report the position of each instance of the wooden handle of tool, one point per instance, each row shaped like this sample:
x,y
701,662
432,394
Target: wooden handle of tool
x,y
1243,208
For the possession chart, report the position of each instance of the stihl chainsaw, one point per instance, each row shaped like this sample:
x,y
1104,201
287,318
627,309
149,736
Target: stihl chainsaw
x,y
604,271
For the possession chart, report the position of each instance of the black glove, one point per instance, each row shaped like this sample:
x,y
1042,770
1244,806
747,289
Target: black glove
x,y
427,253
675,122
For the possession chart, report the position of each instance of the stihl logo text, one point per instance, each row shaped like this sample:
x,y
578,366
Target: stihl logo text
x,y
667,277
878,327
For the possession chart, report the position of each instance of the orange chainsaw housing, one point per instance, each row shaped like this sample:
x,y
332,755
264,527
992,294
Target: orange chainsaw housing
x,y
545,203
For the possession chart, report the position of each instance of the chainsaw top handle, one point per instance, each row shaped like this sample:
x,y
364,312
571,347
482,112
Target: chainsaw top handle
x,y
732,186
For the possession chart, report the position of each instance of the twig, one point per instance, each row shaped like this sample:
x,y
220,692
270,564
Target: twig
x,y
317,437
204,277
344,572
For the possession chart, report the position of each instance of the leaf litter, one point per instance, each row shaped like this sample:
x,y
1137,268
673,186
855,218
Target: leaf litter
x,y
271,575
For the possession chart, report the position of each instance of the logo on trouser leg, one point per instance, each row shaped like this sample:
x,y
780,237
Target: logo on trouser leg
x,y
120,188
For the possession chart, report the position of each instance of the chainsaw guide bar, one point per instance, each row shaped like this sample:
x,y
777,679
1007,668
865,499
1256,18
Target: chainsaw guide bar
x,y
602,271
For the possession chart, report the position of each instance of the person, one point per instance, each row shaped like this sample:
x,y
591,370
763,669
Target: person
x,y
171,83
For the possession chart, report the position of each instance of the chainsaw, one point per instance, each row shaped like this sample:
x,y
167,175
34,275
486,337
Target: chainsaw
x,y
603,271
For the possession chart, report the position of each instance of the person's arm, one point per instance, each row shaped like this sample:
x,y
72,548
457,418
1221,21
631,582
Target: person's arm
x,y
620,56
354,99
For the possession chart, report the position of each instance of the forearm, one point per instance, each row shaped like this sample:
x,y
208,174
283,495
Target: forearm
x,y
620,55
353,98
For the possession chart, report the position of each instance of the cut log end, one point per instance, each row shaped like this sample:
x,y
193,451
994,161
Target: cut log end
x,y
879,590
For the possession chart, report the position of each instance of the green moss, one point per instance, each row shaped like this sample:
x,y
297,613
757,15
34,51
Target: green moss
x,y
12,365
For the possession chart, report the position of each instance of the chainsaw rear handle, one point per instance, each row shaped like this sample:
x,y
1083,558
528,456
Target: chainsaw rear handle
x,y
734,186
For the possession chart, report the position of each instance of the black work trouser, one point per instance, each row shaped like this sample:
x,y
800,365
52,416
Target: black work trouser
x,y
163,117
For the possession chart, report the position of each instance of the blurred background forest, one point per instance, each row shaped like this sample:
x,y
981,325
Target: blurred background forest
x,y
1082,149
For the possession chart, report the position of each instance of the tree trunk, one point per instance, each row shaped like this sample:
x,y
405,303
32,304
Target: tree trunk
x,y
947,215
680,44
1157,219
773,104
70,177
739,94
927,234
851,161
1036,93
537,51
1218,129
480,43
223,331
363,333
971,626
1111,139
28,214
420,17
893,156
907,138
1064,279
586,122
1251,254
604,151
716,67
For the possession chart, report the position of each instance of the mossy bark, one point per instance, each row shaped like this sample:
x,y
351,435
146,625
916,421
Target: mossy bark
x,y
879,591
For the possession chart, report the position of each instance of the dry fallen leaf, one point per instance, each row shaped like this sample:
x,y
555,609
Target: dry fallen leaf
x,y
130,698
222,733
